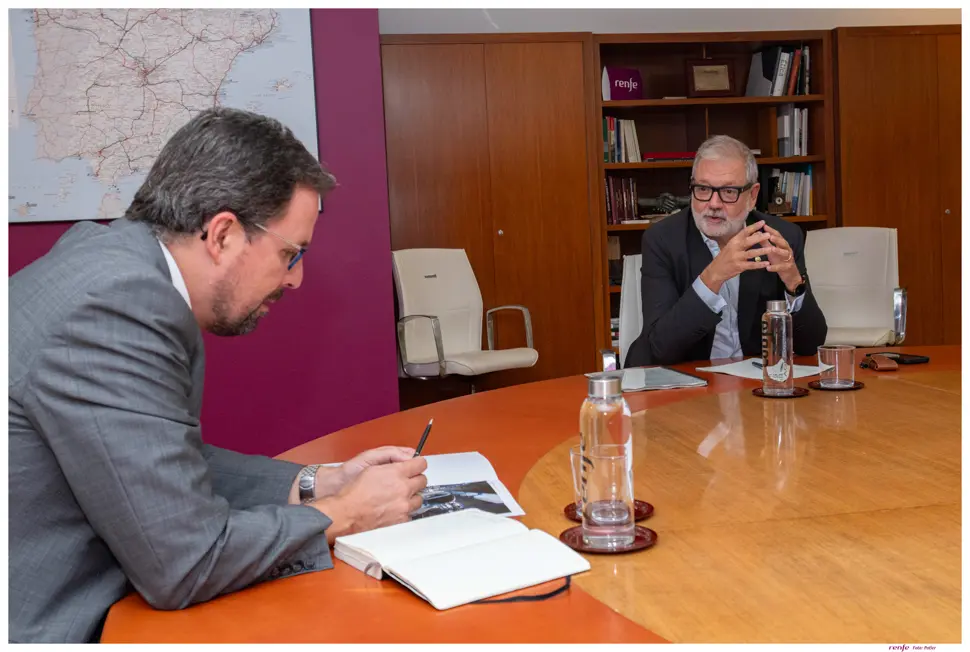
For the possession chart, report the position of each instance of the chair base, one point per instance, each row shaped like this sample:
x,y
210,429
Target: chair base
x,y
415,391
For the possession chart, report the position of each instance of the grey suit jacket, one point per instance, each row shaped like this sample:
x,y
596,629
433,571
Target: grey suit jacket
x,y
111,487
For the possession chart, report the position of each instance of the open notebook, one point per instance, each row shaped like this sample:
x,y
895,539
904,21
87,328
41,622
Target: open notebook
x,y
458,558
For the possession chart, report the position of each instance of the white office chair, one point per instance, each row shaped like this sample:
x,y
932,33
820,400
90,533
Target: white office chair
x,y
440,330
631,304
854,272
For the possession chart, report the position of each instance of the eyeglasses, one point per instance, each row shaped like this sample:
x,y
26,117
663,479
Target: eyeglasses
x,y
299,250
728,194
294,258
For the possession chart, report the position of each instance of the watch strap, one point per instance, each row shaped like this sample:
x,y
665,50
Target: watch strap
x,y
307,482
800,288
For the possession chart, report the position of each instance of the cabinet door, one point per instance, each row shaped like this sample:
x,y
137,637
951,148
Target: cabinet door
x,y
540,201
890,158
437,151
948,56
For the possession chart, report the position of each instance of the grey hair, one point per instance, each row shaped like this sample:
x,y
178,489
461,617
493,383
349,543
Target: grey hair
x,y
720,147
225,160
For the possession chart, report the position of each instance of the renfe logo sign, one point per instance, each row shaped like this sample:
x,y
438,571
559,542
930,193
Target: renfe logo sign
x,y
622,84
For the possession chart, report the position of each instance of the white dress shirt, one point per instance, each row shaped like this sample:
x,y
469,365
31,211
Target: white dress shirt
x,y
727,340
177,280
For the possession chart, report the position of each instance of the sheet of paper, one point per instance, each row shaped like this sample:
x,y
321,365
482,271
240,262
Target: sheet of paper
x,y
457,481
747,369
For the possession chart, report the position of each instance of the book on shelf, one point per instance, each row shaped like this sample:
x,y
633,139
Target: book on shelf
x,y
620,142
794,188
779,70
669,156
650,219
621,199
792,131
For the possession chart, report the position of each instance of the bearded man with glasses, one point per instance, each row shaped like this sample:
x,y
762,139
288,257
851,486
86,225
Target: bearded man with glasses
x,y
111,486
708,272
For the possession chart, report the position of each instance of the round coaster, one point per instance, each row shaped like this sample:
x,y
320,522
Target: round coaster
x,y
573,537
797,393
818,385
641,511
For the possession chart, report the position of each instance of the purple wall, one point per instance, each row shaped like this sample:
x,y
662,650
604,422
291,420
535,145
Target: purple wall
x,y
324,358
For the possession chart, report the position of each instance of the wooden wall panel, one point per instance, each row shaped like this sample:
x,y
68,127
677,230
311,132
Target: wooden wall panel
x,y
948,58
889,166
540,199
437,151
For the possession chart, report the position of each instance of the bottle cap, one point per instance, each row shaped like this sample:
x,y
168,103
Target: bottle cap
x,y
778,306
605,386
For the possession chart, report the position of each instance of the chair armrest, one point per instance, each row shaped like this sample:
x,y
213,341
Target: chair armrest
x,y
899,316
609,359
526,316
435,330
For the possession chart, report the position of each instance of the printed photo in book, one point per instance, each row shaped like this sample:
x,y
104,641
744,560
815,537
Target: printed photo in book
x,y
445,498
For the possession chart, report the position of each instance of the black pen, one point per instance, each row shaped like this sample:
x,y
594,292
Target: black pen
x,y
424,438
758,364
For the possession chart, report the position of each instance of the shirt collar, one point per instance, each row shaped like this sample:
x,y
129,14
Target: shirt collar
x,y
177,280
711,244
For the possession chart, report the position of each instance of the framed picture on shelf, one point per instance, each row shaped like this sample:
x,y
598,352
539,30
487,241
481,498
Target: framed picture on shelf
x,y
710,77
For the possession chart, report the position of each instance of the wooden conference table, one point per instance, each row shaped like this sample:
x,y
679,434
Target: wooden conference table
x,y
829,518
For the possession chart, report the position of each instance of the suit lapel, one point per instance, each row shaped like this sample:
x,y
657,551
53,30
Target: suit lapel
x,y
698,255
748,293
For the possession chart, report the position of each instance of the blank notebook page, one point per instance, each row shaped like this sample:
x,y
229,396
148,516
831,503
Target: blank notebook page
x,y
432,536
488,569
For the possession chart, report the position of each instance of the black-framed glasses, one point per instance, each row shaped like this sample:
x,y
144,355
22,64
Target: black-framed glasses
x,y
294,258
728,194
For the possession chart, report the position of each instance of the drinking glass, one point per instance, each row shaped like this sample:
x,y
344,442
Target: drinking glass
x,y
606,495
840,360
576,465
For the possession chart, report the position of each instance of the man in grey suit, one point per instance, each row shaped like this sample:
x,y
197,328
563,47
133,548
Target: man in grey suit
x,y
111,487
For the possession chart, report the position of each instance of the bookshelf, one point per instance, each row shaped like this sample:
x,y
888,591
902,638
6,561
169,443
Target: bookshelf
x,y
762,160
710,101
667,119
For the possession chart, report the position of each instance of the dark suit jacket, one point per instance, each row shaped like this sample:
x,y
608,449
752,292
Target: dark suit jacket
x,y
677,324
111,487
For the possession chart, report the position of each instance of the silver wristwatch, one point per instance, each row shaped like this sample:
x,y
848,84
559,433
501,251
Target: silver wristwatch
x,y
307,482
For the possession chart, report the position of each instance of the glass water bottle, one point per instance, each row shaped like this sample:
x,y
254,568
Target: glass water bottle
x,y
776,350
606,481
